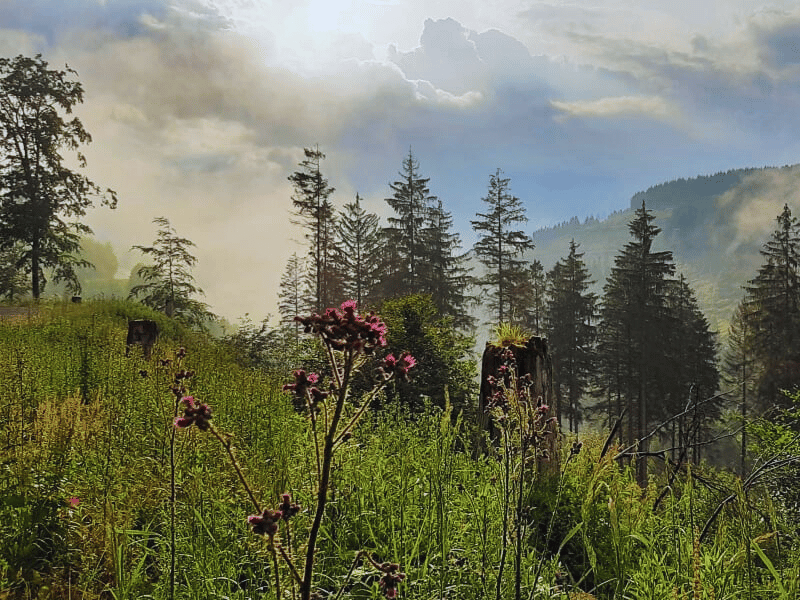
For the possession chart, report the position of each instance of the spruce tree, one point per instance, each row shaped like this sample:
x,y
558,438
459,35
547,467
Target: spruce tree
x,y
571,333
774,303
738,368
293,296
444,274
315,213
359,242
411,201
689,372
529,298
499,245
634,316
168,284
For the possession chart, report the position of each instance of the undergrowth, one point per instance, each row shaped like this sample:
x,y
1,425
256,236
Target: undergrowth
x,y
85,493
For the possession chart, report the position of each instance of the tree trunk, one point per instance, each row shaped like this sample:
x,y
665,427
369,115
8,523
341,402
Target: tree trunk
x,y
531,358
35,255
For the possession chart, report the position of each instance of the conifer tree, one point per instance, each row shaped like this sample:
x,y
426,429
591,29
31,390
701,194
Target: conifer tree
x,y
444,274
571,332
634,315
529,298
293,297
774,303
738,368
315,213
359,242
689,372
168,284
411,201
499,245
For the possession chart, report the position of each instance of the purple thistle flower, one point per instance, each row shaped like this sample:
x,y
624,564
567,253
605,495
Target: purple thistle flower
x,y
266,523
194,414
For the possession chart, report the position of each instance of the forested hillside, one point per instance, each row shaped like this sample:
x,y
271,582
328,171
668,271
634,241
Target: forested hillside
x,y
715,226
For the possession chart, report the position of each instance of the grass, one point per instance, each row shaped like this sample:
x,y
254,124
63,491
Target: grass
x,y
85,494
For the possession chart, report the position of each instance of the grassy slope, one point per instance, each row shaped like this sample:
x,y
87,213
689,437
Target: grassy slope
x,y
79,420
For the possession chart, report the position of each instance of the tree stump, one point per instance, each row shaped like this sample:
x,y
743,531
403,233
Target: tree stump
x,y
532,359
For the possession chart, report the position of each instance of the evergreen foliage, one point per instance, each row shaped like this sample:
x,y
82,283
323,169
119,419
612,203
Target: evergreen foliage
x,y
571,333
315,213
634,315
39,195
528,298
773,297
168,283
444,273
445,368
358,237
293,297
499,246
738,369
411,201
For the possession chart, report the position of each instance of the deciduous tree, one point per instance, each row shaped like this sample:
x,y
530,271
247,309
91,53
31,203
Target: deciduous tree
x,y
39,195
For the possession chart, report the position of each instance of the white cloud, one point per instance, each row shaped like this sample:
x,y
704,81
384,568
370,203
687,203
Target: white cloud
x,y
652,107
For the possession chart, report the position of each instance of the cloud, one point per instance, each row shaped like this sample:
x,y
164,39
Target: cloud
x,y
621,106
757,201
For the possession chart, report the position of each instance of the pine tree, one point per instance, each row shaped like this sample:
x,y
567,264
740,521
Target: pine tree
x,y
500,245
411,201
315,213
444,274
634,315
359,241
293,296
529,298
738,367
689,371
571,332
774,303
168,285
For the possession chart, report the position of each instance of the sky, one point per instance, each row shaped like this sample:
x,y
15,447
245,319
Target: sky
x,y
199,110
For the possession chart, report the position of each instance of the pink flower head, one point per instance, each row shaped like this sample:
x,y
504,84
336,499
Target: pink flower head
x,y
397,367
543,408
266,523
194,414
349,307
73,501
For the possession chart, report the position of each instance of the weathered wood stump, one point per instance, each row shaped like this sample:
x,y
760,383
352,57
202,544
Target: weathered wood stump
x,y
142,333
532,359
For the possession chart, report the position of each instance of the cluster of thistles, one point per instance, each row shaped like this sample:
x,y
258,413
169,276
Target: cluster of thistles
x,y
304,387
346,329
397,367
267,522
194,413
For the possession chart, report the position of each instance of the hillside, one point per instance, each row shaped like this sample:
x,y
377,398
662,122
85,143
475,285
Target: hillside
x,y
714,225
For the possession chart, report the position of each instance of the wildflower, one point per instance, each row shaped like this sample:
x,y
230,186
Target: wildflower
x,y
73,501
397,367
543,408
287,508
266,523
345,329
194,413
392,576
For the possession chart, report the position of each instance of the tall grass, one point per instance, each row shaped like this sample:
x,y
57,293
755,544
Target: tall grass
x,y
85,492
